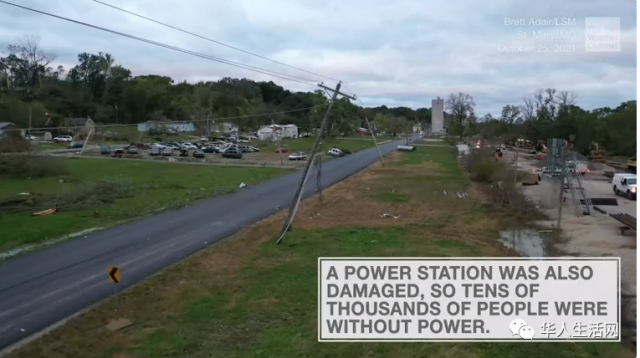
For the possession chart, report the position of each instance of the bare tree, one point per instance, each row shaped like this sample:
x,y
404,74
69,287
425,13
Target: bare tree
x,y
510,114
528,109
545,104
461,107
35,57
566,98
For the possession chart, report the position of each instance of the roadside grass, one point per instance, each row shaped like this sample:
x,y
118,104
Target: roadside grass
x,y
98,193
246,297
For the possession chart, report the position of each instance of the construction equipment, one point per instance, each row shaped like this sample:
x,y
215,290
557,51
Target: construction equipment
x,y
541,147
631,164
573,181
597,154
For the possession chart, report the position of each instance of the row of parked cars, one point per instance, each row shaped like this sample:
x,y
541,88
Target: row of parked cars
x,y
226,150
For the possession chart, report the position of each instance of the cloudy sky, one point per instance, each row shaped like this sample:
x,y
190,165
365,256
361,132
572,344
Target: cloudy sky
x,y
401,52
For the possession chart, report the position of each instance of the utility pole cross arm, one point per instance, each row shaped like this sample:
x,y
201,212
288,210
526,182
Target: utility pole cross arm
x,y
336,90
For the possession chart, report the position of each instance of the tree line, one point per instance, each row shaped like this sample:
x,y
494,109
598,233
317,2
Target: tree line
x,y
34,93
549,113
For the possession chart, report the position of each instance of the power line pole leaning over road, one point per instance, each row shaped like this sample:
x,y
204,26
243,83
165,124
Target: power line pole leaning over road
x,y
312,157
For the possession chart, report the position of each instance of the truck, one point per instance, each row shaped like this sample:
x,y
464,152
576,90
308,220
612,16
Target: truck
x,y
625,184
631,164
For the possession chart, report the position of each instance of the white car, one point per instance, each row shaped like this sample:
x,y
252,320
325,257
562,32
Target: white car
x,y
63,138
298,156
625,184
188,146
157,145
578,167
335,152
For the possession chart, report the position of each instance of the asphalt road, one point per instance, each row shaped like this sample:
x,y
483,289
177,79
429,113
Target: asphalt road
x,y
41,288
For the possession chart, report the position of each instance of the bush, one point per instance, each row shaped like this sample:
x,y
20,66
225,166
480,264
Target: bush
x,y
485,171
25,166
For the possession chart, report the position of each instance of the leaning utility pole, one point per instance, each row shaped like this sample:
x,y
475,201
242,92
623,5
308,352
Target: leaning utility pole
x,y
375,142
312,157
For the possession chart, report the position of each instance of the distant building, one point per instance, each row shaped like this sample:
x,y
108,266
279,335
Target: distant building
x,y
73,125
7,126
278,131
166,126
225,127
437,116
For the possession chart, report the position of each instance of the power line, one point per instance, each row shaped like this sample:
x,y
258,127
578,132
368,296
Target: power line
x,y
193,53
211,40
169,122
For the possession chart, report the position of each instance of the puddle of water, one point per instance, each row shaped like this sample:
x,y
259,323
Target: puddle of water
x,y
21,249
525,242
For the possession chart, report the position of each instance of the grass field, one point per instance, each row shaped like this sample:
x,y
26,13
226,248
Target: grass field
x,y
100,193
246,297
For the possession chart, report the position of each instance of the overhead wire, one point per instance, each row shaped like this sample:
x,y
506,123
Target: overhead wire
x,y
211,40
300,80
170,122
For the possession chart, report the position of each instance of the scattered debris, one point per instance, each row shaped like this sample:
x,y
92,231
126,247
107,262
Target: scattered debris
x,y
118,324
24,194
44,212
389,216
600,210
456,193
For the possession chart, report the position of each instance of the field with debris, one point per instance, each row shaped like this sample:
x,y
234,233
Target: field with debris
x,y
90,194
246,297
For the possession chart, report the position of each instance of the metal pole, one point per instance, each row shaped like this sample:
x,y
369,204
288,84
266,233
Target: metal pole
x,y
298,195
561,195
375,141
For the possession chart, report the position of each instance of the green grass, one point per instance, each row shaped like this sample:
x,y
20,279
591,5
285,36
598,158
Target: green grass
x,y
147,188
270,308
248,298
272,311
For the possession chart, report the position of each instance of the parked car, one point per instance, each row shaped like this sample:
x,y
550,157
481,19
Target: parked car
x,y
132,149
234,153
211,149
157,146
578,167
298,156
254,149
244,148
335,152
156,151
75,145
198,154
625,184
63,139
188,146
141,146
166,152
172,145
282,150
105,150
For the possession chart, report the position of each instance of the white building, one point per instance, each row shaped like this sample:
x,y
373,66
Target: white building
x,y
437,116
278,131
224,127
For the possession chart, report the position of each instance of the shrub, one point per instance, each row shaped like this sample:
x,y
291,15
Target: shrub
x,y
24,166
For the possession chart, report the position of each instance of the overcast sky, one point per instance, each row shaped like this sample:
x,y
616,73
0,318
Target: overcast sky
x,y
401,52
